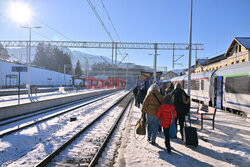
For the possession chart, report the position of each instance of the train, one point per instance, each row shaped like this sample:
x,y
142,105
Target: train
x,y
94,83
227,88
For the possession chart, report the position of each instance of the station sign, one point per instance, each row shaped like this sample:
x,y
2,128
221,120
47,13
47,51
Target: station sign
x,y
18,69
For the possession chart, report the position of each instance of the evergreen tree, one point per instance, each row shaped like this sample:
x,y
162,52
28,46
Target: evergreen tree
x,y
78,70
52,58
3,53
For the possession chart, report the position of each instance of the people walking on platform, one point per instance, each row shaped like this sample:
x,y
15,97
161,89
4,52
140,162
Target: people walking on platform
x,y
162,91
180,101
142,94
170,89
165,113
150,106
135,92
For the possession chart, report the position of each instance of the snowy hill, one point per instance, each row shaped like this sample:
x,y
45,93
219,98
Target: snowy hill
x,y
20,54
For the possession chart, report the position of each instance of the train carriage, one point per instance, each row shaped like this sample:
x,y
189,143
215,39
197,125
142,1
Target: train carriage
x,y
226,88
235,81
200,87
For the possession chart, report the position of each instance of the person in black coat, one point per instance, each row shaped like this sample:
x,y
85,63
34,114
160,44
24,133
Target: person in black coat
x,y
135,92
142,94
180,102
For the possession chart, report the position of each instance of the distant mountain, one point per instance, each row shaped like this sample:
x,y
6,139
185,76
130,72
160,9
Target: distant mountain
x,y
20,54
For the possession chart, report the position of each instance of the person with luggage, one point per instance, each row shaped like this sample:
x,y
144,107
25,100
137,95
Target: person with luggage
x,y
150,106
179,103
165,113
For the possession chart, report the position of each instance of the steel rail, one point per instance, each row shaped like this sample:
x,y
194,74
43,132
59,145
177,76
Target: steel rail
x,y
97,156
49,117
37,112
48,159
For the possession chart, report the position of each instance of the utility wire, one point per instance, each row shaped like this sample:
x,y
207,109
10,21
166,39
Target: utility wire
x,y
41,35
53,29
110,20
100,19
113,28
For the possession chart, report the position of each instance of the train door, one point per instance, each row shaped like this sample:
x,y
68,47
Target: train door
x,y
219,92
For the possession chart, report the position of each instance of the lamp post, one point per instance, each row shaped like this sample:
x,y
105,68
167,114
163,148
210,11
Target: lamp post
x,y
190,50
29,53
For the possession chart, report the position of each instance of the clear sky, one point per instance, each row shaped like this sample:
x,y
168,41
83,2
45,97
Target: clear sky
x,y
215,24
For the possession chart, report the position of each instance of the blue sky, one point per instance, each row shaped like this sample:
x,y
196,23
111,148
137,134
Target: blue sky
x,y
215,23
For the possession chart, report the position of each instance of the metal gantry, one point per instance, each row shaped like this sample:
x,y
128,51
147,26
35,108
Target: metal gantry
x,y
104,45
107,45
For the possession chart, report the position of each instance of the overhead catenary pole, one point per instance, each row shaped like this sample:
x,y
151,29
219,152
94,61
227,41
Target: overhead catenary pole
x,y
127,77
29,62
29,55
155,60
190,50
173,56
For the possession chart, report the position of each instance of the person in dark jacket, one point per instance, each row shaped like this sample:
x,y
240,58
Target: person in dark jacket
x,y
180,96
163,90
135,92
142,94
165,112
170,89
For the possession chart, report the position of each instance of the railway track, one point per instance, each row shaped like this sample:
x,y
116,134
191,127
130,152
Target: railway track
x,y
44,137
78,104
98,143
38,112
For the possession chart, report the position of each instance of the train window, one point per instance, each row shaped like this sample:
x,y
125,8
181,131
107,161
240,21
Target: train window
x,y
202,84
238,85
185,84
195,84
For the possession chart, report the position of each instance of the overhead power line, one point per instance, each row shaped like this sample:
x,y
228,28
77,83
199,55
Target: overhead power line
x,y
53,29
100,19
110,21
114,29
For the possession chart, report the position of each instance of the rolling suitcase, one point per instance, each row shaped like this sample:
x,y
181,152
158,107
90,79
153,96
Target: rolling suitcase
x,y
190,136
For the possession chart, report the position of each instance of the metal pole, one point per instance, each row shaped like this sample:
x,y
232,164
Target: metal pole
x,y
127,77
19,88
173,56
195,53
64,71
190,50
115,63
29,63
155,59
112,71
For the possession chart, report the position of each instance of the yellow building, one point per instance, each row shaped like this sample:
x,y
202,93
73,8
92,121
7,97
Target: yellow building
x,y
238,51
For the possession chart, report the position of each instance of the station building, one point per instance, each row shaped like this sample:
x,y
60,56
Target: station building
x,y
238,52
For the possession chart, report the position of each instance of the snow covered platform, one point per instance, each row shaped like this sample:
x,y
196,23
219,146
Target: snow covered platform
x,y
9,106
227,145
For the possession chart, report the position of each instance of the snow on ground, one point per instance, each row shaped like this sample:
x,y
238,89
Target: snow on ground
x,y
13,99
36,142
227,145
